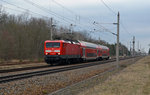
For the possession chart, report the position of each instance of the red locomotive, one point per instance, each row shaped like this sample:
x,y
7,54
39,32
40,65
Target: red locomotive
x,y
69,51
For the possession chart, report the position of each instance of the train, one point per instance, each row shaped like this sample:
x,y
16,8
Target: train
x,y
68,51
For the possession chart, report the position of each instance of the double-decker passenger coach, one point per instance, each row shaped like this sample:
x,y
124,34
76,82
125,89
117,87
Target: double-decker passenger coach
x,y
66,51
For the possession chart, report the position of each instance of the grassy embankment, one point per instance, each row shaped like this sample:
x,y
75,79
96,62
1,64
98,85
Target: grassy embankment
x,y
133,80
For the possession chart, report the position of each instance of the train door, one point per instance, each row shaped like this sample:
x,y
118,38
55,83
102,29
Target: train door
x,y
83,51
97,53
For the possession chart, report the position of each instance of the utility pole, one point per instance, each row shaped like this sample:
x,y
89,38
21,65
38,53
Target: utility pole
x,y
71,25
117,48
51,28
138,49
133,46
130,49
138,46
117,45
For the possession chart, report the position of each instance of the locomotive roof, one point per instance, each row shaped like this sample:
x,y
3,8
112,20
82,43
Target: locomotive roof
x,y
88,44
66,41
53,40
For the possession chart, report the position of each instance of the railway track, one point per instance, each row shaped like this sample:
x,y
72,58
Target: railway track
x,y
33,67
16,63
9,78
23,69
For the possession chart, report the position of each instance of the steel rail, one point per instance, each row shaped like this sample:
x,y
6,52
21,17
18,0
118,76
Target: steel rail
x,y
31,68
34,67
5,79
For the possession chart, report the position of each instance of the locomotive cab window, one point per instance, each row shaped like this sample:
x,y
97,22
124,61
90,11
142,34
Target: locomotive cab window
x,y
53,45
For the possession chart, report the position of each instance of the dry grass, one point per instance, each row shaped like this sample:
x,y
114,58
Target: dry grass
x,y
133,80
21,66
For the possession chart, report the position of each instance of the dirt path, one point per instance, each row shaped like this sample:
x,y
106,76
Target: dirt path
x,y
133,80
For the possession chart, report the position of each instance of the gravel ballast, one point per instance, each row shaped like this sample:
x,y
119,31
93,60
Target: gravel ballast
x,y
41,85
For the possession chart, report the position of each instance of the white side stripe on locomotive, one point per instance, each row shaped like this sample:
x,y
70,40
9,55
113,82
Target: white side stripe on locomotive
x,y
56,50
48,51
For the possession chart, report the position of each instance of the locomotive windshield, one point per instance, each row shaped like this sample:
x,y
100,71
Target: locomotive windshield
x,y
52,45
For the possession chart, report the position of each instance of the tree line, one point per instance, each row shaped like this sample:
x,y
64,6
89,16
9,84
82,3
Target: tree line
x,y
22,37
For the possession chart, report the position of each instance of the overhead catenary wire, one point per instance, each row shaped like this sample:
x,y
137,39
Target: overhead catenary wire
x,y
122,25
75,14
84,25
21,8
109,8
63,6
105,35
29,10
44,9
107,30
80,25
72,11
49,11
114,12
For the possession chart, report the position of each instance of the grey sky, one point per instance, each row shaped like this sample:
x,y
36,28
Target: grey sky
x,y
134,15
